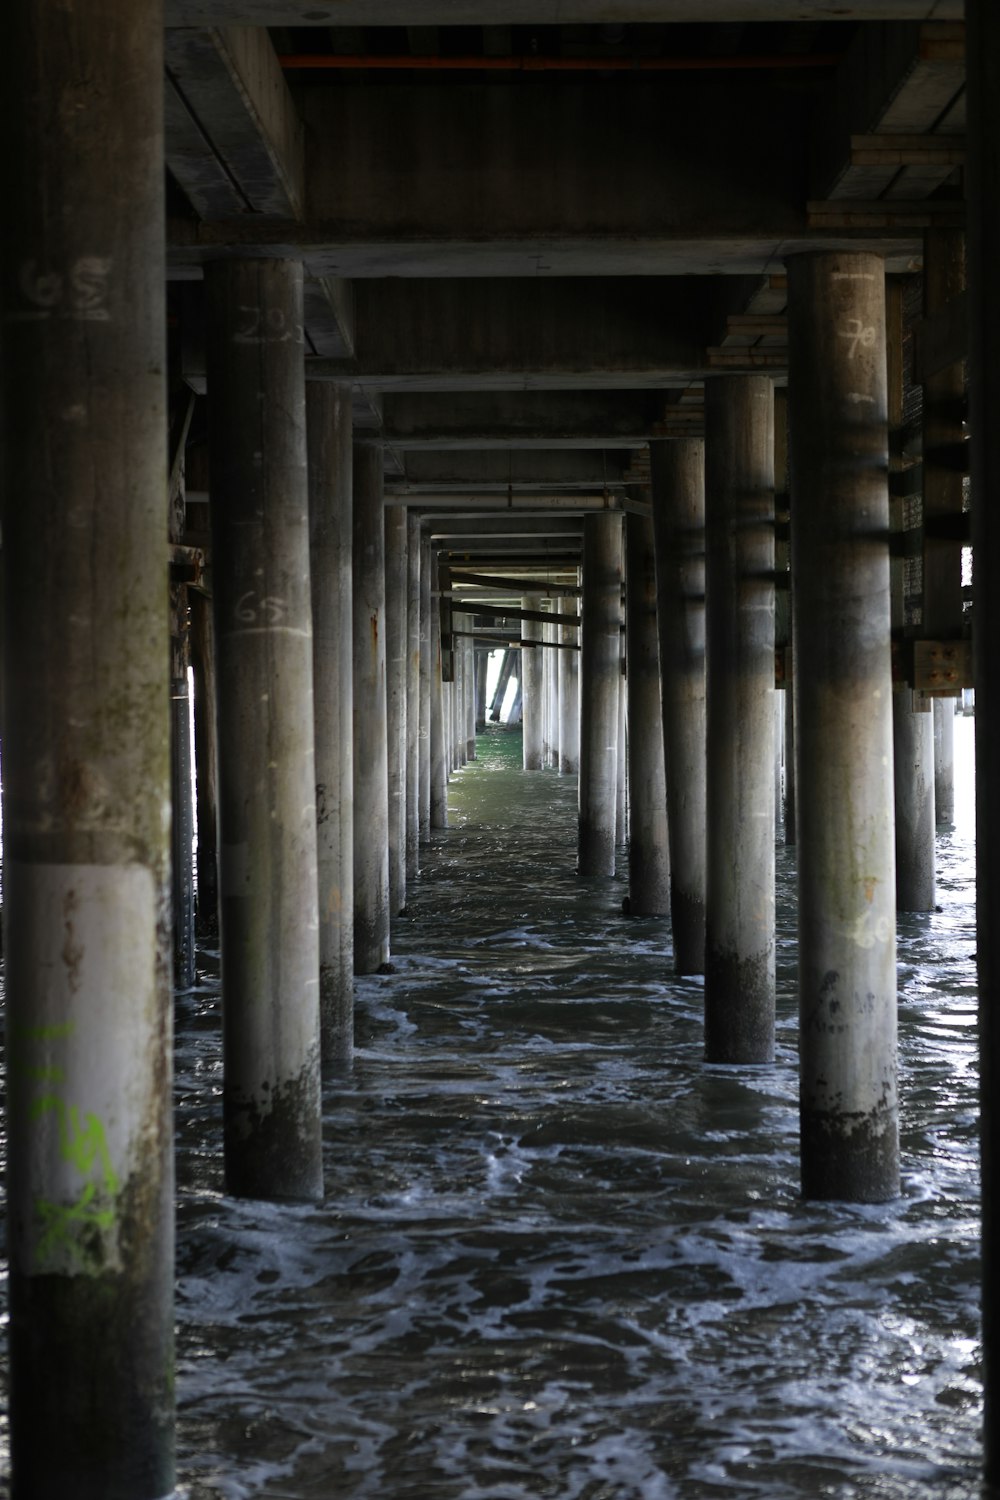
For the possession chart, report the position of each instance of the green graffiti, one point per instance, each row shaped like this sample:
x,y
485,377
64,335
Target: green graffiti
x,y
78,1226
58,1031
74,1226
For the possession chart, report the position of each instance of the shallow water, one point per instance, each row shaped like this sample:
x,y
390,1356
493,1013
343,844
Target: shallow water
x,y
561,1257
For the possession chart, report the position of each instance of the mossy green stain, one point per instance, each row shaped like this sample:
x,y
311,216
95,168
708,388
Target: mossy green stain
x,y
80,1226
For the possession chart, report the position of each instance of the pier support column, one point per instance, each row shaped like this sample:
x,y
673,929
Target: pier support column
x,y
678,479
622,789
790,826
206,763
267,779
426,675
458,755
414,560
396,587
532,696
482,672
913,796
371,772
181,791
648,857
983,209
843,725
469,647
944,762
739,910
600,685
440,740
86,760
569,691
329,426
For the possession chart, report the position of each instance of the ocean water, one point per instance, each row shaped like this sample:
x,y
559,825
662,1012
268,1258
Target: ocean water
x,y
561,1257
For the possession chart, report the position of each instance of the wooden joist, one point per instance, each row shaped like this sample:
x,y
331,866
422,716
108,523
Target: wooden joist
x,y
907,150
885,213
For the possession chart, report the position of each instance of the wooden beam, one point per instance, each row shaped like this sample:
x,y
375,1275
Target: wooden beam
x,y
759,357
515,585
885,213
907,150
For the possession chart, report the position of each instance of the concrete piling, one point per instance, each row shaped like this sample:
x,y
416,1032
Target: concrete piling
x,y
944,762
424,747
600,685
413,650
913,798
569,692
86,761
440,742
330,448
396,593
678,479
983,207
371,750
206,764
739,897
267,780
843,724
533,698
648,854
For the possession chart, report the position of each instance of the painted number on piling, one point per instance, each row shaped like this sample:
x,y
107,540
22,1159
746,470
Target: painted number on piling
x,y
81,293
857,334
252,609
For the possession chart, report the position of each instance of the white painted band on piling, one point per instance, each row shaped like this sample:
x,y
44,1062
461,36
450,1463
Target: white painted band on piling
x,y
80,1069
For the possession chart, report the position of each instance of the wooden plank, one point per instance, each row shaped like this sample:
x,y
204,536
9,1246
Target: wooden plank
x,y
515,585
849,213
510,611
502,640
907,150
757,358
758,325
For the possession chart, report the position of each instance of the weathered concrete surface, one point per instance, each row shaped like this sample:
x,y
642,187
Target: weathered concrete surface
x,y
648,852
396,592
267,775
234,138
843,708
371,774
532,703
330,444
600,679
739,577
85,756
983,187
569,693
913,788
678,477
